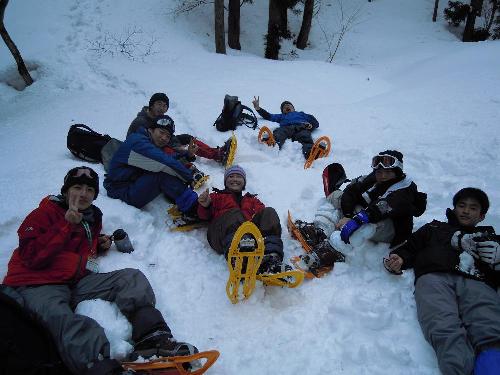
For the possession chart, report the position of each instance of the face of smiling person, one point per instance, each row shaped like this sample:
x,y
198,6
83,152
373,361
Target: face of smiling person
x,y
383,175
288,108
468,212
235,182
82,194
160,137
159,108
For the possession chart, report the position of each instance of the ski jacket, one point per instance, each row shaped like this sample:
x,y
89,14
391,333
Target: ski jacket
x,y
143,120
397,199
138,155
52,250
224,200
429,250
290,118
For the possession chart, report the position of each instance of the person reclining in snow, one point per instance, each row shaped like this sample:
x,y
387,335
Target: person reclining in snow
x,y
457,270
140,170
294,125
54,269
229,208
158,106
379,207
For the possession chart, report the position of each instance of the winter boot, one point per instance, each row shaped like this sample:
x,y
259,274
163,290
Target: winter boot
x,y
271,263
311,233
161,343
322,255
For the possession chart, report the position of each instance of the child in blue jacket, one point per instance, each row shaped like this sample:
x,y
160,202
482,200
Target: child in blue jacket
x,y
294,125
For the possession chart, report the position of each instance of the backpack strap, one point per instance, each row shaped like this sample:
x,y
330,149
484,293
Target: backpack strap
x,y
85,127
248,119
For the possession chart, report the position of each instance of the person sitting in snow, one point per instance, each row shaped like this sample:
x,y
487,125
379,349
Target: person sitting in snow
x,y
457,269
54,269
158,106
379,207
140,170
229,208
294,125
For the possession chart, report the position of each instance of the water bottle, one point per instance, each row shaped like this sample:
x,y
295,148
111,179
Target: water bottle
x,y
122,242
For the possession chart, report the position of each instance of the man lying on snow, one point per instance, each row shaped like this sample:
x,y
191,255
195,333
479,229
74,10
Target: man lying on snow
x,y
457,270
379,207
229,208
158,106
296,126
54,268
140,170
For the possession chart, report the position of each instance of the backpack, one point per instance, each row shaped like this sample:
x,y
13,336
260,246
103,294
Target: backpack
x,y
85,143
234,114
25,345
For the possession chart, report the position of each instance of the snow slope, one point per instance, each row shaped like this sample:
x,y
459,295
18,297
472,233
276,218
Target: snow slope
x,y
398,81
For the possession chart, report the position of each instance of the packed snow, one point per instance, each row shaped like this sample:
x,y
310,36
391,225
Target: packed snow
x,y
398,81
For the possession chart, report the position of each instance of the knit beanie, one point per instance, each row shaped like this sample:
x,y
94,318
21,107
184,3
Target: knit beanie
x,y
158,97
283,104
235,169
81,176
164,122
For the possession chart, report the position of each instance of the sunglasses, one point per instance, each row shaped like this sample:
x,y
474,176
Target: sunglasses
x,y
386,162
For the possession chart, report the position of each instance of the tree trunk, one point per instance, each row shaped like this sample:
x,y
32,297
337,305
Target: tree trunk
x,y
273,30
283,22
434,15
233,25
21,67
220,40
476,7
306,24
493,12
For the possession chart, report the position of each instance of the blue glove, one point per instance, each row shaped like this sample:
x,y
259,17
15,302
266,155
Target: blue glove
x,y
353,225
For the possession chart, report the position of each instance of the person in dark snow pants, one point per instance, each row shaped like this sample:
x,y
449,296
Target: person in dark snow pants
x,y
55,268
457,271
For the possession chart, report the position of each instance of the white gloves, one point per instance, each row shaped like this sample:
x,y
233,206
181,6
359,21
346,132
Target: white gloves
x,y
489,252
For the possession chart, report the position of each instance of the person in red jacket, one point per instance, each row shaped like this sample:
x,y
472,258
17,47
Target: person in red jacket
x,y
229,208
55,268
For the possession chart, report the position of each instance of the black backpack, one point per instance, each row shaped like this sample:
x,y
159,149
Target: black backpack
x,y
85,143
25,346
234,114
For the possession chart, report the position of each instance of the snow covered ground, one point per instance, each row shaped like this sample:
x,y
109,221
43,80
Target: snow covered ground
x,y
399,81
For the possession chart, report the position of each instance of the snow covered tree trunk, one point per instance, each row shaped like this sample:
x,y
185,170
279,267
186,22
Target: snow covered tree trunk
x,y
306,24
233,24
220,40
273,30
475,10
21,67
283,22
435,13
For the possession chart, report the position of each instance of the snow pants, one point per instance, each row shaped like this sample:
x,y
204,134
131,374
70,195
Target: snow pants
x,y
296,133
221,230
204,150
329,213
148,186
80,339
458,317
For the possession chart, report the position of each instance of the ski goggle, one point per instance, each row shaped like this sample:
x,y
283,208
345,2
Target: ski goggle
x,y
386,162
167,123
79,173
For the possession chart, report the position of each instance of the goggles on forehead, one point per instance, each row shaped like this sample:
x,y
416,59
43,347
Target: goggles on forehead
x,y
81,172
386,162
166,122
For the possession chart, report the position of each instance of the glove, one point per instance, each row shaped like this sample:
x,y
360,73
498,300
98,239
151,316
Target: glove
x,y
489,252
466,242
353,225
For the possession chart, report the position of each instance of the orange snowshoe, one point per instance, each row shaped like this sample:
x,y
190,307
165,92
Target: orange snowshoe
x,y
320,149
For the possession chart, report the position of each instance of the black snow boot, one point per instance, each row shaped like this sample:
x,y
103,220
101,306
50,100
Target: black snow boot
x,y
161,344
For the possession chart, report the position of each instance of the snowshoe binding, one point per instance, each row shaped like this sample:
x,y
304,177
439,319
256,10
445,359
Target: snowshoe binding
x,y
228,151
199,179
273,272
320,149
179,221
319,261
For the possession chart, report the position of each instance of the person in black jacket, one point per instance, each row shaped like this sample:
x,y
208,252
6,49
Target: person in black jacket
x,y
379,207
457,269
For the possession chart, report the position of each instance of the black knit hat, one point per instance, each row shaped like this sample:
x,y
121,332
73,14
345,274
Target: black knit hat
x,y
159,97
473,193
283,104
164,122
81,176
396,154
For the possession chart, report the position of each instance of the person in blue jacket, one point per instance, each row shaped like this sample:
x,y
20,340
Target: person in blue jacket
x,y
294,125
140,170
